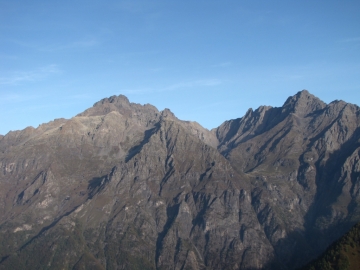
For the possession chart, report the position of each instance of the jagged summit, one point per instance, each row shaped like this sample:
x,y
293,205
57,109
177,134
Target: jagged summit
x,y
167,113
121,99
143,115
302,103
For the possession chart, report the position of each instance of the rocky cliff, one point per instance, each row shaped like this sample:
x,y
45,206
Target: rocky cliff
x,y
125,186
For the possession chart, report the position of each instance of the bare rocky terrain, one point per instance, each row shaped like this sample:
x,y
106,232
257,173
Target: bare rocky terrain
x,y
125,186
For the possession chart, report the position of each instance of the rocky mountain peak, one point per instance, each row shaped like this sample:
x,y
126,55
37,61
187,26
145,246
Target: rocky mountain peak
x,y
120,100
114,103
302,104
121,104
167,113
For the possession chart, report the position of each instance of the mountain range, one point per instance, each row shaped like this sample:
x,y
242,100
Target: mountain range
x,y
126,186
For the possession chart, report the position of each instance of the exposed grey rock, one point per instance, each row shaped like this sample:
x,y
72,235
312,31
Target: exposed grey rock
x,y
124,186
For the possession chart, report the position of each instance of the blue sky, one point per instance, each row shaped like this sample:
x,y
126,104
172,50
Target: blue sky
x,y
208,61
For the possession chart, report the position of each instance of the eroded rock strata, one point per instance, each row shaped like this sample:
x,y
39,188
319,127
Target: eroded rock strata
x,y
125,186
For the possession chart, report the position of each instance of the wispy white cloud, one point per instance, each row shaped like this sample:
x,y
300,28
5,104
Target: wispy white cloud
x,y
53,47
39,74
12,98
71,45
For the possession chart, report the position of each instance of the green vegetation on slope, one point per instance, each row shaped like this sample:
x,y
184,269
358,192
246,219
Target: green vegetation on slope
x,y
343,254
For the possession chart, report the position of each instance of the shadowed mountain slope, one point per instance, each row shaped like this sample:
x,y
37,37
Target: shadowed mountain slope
x,y
344,253
125,186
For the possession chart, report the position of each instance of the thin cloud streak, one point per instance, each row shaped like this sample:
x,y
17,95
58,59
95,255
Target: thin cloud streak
x,y
77,44
73,45
29,76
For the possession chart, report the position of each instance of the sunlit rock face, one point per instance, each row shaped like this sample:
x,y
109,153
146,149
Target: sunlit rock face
x,y
125,186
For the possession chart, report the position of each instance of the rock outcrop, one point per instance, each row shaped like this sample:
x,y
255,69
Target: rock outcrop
x,y
125,186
